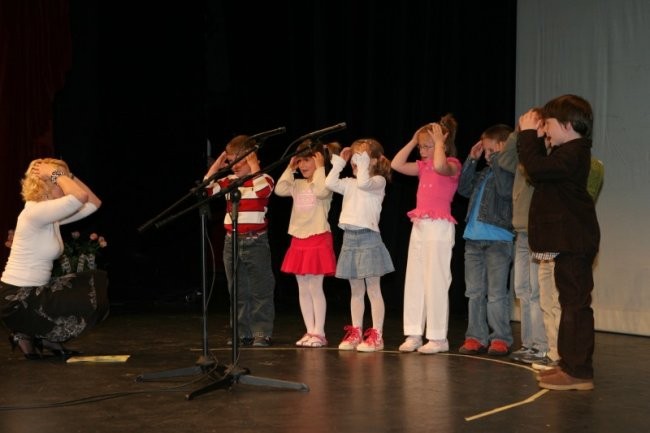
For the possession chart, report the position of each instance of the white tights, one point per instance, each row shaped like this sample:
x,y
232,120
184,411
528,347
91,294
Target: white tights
x,y
312,302
357,302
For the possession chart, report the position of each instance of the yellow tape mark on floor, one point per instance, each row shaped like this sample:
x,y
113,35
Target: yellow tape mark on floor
x,y
530,399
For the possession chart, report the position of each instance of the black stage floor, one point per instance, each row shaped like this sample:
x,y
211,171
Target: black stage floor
x,y
347,391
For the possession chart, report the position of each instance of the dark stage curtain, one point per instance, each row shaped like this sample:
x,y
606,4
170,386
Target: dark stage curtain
x,y
153,82
384,68
34,58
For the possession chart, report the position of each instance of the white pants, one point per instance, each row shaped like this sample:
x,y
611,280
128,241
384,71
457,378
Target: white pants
x,y
428,276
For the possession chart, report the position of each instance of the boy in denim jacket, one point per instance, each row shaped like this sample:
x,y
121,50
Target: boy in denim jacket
x,y
488,246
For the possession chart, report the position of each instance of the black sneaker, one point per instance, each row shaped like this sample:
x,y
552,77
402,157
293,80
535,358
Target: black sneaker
x,y
518,354
533,357
245,341
262,342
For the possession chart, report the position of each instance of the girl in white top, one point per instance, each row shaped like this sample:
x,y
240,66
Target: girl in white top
x,y
311,253
363,258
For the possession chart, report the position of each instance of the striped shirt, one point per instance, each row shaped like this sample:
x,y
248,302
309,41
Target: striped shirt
x,y
253,204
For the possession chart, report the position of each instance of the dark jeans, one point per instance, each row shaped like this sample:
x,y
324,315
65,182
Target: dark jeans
x,y
255,284
574,281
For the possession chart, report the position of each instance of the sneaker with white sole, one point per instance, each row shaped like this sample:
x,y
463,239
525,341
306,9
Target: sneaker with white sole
x,y
411,344
434,346
351,339
519,353
545,364
534,356
372,341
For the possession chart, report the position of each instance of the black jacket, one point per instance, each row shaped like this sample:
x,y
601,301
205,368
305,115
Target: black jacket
x,y
562,215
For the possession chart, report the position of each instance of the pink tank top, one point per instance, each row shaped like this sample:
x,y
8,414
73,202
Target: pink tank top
x,y
435,192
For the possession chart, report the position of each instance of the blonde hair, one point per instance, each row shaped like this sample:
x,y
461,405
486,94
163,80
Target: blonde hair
x,y
375,150
33,187
240,144
449,126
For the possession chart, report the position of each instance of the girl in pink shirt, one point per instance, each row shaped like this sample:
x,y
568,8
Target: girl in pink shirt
x,y
428,269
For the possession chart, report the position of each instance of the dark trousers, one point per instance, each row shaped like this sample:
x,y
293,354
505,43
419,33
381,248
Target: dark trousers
x,y
574,281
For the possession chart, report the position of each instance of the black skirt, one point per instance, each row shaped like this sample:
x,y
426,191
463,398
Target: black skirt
x,y
58,311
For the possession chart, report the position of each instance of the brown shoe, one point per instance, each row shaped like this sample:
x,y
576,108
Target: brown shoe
x,y
560,381
542,374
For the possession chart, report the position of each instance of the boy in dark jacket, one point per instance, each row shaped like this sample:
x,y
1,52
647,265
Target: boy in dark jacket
x,y
563,226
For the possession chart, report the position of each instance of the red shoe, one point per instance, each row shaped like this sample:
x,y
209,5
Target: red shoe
x,y
498,348
351,339
472,347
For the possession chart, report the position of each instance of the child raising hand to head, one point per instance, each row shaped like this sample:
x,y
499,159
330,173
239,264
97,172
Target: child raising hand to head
x,y
363,258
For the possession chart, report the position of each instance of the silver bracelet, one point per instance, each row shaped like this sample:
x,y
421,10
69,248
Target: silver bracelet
x,y
55,176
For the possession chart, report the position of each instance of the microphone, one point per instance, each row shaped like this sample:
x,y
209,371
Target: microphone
x,y
263,135
321,132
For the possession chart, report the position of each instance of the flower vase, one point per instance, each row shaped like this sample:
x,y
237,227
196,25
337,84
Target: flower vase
x,y
80,262
90,260
65,264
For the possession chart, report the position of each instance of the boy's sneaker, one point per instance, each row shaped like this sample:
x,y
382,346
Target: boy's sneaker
x,y
545,364
434,346
351,339
519,353
472,347
262,341
303,340
243,341
411,344
498,348
372,341
534,356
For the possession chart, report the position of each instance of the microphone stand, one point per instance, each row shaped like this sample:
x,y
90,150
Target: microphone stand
x,y
222,376
206,362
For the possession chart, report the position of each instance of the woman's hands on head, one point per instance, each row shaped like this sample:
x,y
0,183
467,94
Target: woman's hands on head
x,y
44,170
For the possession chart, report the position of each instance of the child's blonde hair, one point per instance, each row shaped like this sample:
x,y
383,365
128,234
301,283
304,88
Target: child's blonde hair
x,y
33,188
375,150
240,144
449,126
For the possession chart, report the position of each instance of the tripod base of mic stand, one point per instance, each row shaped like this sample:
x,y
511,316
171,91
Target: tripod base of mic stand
x,y
226,376
203,365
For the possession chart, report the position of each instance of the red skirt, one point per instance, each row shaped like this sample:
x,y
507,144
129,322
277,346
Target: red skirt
x,y
310,256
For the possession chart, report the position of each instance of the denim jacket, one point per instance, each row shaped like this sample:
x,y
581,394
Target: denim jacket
x,y
496,205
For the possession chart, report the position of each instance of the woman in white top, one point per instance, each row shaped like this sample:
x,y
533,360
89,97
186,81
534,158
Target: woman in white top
x,y
40,311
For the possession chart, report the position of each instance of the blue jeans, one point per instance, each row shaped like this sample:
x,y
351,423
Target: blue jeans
x,y
487,269
533,334
255,284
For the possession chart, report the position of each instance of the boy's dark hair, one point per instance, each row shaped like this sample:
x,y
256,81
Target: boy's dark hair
x,y
327,149
498,132
571,109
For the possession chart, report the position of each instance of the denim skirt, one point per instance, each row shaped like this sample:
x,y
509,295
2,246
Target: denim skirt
x,y
363,254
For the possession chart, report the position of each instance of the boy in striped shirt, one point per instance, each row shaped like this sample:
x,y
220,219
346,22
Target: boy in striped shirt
x,y
255,279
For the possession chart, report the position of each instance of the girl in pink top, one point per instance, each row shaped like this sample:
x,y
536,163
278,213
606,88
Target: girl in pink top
x,y
428,269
